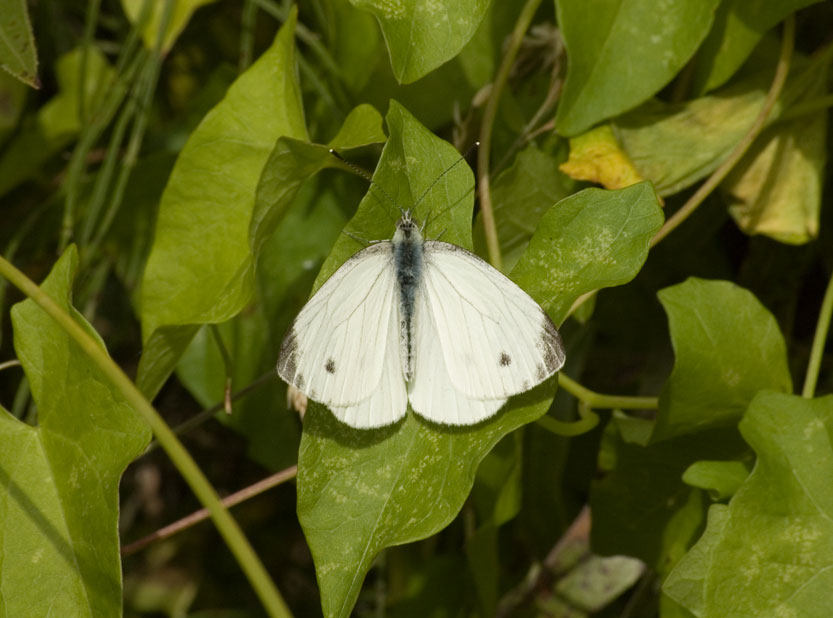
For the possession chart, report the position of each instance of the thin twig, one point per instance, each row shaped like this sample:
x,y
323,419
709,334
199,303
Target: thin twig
x,y
819,339
489,115
197,516
740,149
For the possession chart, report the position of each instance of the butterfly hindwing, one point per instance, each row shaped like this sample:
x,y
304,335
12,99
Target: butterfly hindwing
x,y
333,352
496,341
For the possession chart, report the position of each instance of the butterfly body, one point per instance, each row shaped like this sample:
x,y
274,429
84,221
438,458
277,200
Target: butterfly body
x,y
425,322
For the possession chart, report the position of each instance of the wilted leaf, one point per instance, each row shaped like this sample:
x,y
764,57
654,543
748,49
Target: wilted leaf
x,y
621,53
595,156
59,508
776,189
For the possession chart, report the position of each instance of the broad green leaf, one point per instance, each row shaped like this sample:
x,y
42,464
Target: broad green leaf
x,y
423,35
252,336
180,13
355,43
293,161
360,491
770,552
59,509
727,347
18,54
738,26
621,53
200,269
776,189
57,123
590,240
641,507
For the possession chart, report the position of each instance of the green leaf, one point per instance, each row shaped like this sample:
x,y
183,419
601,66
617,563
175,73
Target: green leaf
x,y
57,123
59,510
621,53
738,27
590,240
423,35
769,552
18,54
720,478
727,347
180,14
360,491
200,269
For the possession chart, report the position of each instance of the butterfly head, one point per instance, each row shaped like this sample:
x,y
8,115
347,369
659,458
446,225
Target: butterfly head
x,y
407,229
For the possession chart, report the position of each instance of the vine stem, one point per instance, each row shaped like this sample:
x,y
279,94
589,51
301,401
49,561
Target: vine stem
x,y
822,328
226,525
605,402
489,114
197,516
742,146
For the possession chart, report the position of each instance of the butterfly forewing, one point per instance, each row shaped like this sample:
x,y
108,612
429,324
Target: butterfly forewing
x,y
333,352
496,341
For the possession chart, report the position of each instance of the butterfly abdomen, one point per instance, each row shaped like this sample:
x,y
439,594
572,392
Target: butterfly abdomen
x,y
408,261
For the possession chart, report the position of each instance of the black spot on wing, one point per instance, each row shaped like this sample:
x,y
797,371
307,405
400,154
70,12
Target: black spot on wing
x,y
505,360
330,366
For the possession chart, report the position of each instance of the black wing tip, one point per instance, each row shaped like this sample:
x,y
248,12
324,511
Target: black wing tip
x,y
552,347
288,357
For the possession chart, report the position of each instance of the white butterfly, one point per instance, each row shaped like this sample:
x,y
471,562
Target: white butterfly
x,y
425,322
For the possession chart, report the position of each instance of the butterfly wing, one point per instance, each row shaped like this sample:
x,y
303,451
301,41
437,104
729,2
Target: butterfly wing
x,y
496,341
333,351
431,391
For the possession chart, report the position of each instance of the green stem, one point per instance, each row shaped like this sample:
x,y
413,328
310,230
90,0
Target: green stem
x,y
587,421
605,402
822,327
740,149
226,525
489,115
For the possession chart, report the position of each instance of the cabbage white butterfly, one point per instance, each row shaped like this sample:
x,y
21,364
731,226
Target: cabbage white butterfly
x,y
419,321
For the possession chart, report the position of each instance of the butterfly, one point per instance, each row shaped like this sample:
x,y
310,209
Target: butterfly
x,y
423,322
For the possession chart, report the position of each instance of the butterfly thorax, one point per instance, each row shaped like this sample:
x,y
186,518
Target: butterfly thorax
x,y
408,260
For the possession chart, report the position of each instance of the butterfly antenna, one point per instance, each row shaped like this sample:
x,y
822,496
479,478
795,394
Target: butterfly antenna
x,y
462,158
364,174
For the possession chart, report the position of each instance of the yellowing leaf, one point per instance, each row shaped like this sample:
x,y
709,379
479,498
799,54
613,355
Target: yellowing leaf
x,y
597,157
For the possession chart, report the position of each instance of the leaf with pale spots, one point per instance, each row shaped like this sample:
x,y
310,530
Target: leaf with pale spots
x,y
59,504
423,35
593,239
770,551
727,346
360,491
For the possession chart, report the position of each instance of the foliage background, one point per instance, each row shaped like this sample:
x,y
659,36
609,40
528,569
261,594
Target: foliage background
x,y
164,172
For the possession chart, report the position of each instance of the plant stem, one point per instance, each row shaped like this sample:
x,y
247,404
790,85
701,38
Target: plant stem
x,y
740,149
489,114
819,339
226,525
605,402
197,516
